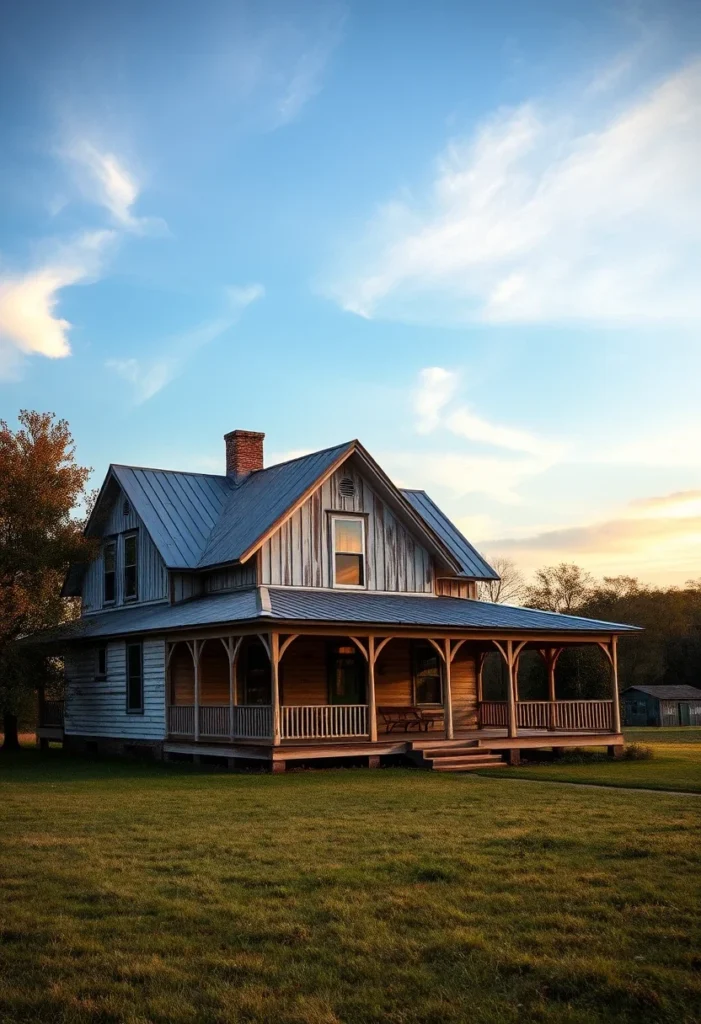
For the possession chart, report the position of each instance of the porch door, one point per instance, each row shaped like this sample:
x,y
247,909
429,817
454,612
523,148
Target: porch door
x,y
684,716
346,675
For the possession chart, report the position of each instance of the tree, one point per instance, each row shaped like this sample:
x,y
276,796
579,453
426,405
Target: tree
x,y
559,588
41,486
509,588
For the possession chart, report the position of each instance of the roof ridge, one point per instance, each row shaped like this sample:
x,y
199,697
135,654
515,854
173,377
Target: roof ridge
x,y
298,458
180,472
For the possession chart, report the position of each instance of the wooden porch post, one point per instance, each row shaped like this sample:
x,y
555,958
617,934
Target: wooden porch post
x,y
232,650
552,654
448,696
275,680
616,705
372,709
196,646
513,728
480,686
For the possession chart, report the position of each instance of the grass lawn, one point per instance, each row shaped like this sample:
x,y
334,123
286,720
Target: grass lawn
x,y
163,894
676,764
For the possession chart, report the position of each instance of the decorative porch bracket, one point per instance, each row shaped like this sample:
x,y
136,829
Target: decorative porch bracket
x,y
510,654
610,649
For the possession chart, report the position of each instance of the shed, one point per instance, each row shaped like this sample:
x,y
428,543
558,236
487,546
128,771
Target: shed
x,y
661,705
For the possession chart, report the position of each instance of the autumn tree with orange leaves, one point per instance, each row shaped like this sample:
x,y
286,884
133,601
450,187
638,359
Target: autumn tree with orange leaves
x,y
41,488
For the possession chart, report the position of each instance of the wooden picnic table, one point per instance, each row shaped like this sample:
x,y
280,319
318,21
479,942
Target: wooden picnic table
x,y
405,718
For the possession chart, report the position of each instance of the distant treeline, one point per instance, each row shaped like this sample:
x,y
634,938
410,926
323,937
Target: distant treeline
x,y
667,651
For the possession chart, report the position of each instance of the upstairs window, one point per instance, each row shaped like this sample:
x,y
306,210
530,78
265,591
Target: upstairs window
x,y
109,556
348,539
131,580
135,678
428,688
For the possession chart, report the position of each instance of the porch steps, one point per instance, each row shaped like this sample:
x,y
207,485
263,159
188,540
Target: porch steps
x,y
455,758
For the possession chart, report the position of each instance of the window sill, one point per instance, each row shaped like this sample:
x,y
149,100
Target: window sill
x,y
349,586
100,678
135,711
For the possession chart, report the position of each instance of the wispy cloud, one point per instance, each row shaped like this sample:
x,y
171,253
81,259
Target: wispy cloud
x,y
105,180
486,464
149,376
538,218
436,388
28,319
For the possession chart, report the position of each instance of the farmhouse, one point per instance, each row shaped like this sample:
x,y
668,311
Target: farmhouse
x,y
311,609
661,705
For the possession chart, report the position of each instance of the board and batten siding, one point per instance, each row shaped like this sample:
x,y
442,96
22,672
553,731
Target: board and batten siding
x,y
299,553
152,573
98,707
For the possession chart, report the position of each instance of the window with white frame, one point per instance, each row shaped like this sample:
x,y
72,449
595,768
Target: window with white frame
x,y
348,547
135,678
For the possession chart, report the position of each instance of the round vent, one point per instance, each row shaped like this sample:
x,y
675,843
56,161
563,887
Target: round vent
x,y
347,487
126,508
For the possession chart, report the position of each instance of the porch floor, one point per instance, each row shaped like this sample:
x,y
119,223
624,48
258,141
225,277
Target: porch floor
x,y
393,743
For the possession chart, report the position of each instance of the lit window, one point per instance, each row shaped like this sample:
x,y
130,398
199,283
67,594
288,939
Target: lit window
x,y
101,661
427,675
110,563
130,567
135,680
348,552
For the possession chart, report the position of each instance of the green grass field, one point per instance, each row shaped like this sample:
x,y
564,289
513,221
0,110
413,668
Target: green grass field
x,y
163,894
676,764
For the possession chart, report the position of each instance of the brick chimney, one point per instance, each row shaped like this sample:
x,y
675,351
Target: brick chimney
x,y
244,452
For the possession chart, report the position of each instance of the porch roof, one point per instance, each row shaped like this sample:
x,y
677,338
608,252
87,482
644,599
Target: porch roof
x,y
275,606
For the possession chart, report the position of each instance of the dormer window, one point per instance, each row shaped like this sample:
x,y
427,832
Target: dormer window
x,y
109,557
348,543
131,575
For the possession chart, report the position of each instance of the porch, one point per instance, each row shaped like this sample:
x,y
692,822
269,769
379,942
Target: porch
x,y
324,691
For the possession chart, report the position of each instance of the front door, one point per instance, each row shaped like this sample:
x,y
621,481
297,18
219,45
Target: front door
x,y
346,674
684,716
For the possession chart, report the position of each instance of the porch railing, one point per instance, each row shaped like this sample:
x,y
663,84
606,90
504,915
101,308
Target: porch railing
x,y
323,721
219,721
51,713
253,721
585,715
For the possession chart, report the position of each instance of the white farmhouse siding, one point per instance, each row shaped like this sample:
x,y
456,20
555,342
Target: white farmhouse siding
x,y
299,553
152,573
98,707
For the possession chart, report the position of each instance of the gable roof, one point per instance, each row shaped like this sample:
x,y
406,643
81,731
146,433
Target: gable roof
x,y
200,520
280,605
672,692
471,562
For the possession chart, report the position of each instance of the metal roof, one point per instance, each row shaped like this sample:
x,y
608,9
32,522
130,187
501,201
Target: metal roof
x,y
263,497
326,606
672,692
179,510
471,562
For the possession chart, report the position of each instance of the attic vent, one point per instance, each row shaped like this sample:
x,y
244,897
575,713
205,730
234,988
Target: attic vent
x,y
126,508
347,487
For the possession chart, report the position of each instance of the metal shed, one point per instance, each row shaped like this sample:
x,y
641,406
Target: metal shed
x,y
661,705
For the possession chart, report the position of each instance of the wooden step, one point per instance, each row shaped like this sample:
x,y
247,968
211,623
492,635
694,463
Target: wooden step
x,y
479,759
467,766
456,752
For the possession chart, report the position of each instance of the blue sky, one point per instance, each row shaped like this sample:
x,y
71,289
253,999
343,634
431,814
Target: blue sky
x,y
467,234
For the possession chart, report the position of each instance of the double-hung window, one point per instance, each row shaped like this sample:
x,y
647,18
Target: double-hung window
x,y
101,661
428,687
135,678
348,542
109,560
131,567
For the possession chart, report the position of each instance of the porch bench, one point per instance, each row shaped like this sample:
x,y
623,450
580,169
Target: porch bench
x,y
397,718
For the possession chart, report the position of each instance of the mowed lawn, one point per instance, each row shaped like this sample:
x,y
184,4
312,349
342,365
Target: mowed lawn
x,y
162,893
676,764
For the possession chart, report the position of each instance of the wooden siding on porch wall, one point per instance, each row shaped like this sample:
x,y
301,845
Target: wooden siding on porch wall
x,y
304,678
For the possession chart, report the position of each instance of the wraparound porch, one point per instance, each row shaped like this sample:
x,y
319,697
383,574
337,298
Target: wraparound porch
x,y
281,689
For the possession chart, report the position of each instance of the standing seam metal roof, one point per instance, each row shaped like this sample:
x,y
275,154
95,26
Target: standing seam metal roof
x,y
297,604
470,560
